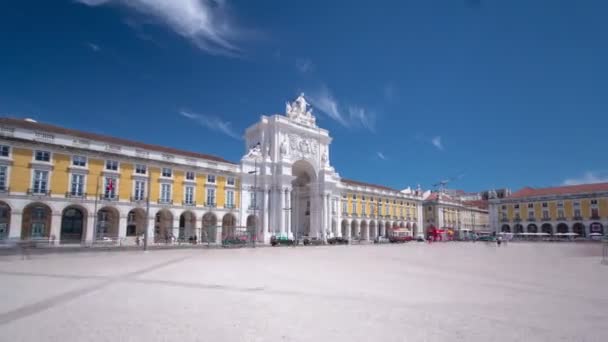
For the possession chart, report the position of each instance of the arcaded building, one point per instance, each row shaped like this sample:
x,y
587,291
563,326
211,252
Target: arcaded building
x,y
74,187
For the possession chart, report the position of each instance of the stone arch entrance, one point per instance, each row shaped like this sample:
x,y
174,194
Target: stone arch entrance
x,y
187,226
364,231
5,220
596,228
73,223
228,226
306,211
519,229
532,228
373,230
136,222
253,226
353,229
579,229
345,228
562,228
107,223
209,232
505,228
163,226
36,221
547,228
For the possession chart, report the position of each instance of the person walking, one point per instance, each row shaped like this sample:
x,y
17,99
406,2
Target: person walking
x,y
499,240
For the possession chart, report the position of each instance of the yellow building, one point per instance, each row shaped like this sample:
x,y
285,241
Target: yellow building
x,y
70,186
578,210
53,181
449,212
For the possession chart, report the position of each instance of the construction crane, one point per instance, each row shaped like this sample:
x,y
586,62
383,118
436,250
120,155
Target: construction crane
x,y
442,183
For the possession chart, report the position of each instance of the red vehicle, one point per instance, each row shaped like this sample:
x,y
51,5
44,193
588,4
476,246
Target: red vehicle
x,y
400,238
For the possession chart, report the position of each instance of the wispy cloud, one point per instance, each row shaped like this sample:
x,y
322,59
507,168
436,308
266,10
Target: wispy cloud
x,y
588,177
211,122
436,141
355,116
381,155
206,23
93,47
304,65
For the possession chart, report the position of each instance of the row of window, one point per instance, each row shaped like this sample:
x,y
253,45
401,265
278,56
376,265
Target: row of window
x,y
110,188
379,200
375,210
112,165
560,214
560,204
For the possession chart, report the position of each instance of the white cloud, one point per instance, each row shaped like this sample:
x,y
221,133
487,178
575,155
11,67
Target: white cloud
x,y
304,65
93,47
212,123
204,22
381,155
356,116
436,141
588,177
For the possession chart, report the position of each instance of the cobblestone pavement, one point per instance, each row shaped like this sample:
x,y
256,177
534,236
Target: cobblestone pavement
x,y
411,292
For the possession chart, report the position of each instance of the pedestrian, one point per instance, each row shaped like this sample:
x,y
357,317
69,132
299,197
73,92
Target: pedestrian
x,y
499,240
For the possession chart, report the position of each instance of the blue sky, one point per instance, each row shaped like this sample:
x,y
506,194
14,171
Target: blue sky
x,y
494,93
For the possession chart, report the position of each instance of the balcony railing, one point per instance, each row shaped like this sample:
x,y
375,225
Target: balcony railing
x,y
531,219
105,197
189,203
165,201
594,217
137,199
562,218
504,219
229,206
210,205
38,192
577,218
75,194
545,219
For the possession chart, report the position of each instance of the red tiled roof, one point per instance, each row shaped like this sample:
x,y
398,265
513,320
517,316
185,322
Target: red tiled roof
x,y
560,190
354,182
481,204
20,123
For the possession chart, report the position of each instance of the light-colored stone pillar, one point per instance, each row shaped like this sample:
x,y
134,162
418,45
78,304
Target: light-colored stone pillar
x,y
14,230
90,230
175,228
151,237
281,215
122,230
265,209
218,235
288,204
55,228
420,220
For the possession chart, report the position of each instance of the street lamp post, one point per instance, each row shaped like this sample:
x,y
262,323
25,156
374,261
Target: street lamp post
x,y
255,198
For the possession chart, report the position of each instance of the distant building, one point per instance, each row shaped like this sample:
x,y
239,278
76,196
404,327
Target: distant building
x,y
579,209
445,211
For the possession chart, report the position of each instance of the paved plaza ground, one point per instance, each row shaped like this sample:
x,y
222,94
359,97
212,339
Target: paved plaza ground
x,y
411,292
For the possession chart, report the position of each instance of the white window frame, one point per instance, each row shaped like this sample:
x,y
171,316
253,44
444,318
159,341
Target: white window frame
x,y
193,194
143,192
84,184
140,167
209,177
214,197
7,173
105,166
166,170
190,173
35,154
47,181
105,186
9,151
229,199
164,195
79,158
228,181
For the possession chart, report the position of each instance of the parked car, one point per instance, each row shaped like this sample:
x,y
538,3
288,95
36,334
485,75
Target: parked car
x,y
486,238
400,239
281,240
381,239
337,241
312,241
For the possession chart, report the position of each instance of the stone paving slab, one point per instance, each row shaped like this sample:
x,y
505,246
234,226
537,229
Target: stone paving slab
x,y
411,292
